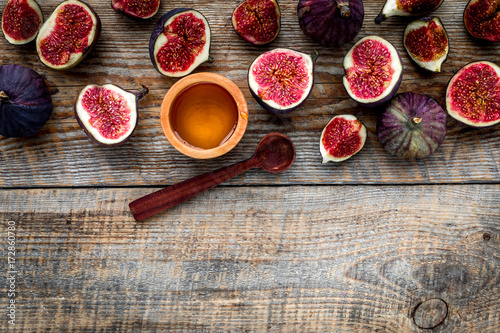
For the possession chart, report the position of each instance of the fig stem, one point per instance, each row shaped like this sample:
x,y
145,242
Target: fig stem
x,y
3,96
380,18
416,120
314,56
345,10
143,91
210,59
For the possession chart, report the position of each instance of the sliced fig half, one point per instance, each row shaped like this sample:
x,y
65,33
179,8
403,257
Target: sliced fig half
x,y
331,22
473,94
342,138
280,80
412,126
180,42
426,42
373,71
108,114
407,8
139,9
21,20
482,19
257,21
68,35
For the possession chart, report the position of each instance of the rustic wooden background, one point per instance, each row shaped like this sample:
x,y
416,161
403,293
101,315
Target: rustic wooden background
x,y
374,244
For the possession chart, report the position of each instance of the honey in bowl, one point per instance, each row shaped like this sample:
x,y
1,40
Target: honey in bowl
x,y
204,115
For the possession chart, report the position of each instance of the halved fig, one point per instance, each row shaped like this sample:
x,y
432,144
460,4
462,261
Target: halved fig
x,y
257,21
482,19
373,71
68,35
280,80
473,94
331,22
21,20
180,42
412,126
407,8
140,9
341,138
426,42
108,114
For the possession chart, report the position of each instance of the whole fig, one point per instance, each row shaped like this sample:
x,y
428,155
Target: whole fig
x,y
331,22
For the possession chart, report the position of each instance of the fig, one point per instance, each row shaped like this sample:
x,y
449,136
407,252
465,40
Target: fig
x,y
139,9
407,8
331,22
482,19
180,42
412,126
426,42
68,35
21,20
341,138
108,114
257,21
373,71
25,102
473,94
280,80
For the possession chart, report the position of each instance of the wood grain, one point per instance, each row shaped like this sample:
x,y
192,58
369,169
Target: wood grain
x,y
318,259
61,155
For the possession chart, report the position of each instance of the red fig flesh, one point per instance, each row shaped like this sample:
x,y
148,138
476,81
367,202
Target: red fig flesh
x,y
21,20
341,138
280,80
407,8
473,94
482,19
373,71
141,9
426,41
108,114
257,21
68,35
180,42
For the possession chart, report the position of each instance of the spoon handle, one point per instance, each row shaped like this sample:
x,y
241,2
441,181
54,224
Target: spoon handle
x,y
173,195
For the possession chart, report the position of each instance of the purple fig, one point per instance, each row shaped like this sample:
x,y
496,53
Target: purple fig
x,y
257,21
331,22
407,8
21,20
482,19
140,9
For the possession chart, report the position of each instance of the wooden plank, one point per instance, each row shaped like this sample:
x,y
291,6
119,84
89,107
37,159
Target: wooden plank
x,y
280,259
61,155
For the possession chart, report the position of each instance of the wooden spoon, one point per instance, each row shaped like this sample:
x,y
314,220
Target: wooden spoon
x,y
274,153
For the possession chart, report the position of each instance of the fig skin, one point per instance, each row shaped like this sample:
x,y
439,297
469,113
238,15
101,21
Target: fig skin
x,y
25,101
137,94
30,21
158,30
85,52
488,88
396,64
283,110
331,22
397,8
248,31
353,137
119,7
433,65
476,19
412,126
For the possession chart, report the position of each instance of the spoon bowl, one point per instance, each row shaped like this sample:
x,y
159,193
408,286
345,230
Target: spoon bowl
x,y
274,153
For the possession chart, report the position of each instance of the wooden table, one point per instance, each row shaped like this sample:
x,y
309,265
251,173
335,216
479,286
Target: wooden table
x,y
373,244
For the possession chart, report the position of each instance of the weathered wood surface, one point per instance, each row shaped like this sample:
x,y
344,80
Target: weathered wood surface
x,y
329,259
63,156
374,244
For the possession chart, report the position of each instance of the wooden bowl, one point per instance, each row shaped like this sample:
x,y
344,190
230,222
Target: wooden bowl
x,y
195,79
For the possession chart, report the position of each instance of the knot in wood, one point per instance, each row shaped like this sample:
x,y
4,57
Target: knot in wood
x,y
430,314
